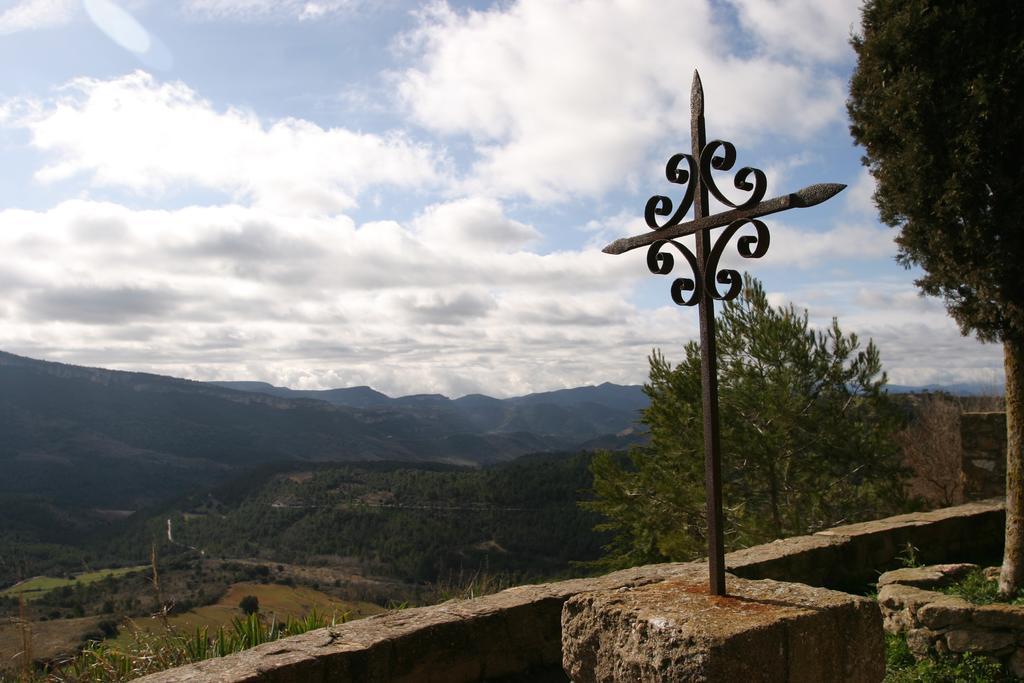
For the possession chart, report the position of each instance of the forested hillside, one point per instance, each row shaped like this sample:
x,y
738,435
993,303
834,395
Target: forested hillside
x,y
413,523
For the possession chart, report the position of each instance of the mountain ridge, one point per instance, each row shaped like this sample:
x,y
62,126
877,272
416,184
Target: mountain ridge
x,y
95,437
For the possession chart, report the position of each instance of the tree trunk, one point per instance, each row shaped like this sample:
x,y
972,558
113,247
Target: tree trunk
x,y
1011,577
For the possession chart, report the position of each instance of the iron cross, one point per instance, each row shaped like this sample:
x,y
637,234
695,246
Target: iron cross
x,y
694,172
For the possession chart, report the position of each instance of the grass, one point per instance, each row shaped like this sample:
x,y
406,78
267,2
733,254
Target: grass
x,y
39,586
279,604
901,667
147,653
49,638
276,602
976,588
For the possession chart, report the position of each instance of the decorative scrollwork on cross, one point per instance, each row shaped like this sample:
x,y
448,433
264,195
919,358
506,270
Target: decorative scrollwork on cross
x,y
717,155
708,282
687,291
709,159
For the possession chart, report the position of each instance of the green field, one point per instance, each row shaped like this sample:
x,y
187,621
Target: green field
x,y
38,586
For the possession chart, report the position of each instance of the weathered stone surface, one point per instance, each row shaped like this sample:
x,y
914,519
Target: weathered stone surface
x,y
1016,663
978,640
514,632
762,631
921,641
970,530
935,576
817,560
897,621
1000,616
945,610
897,597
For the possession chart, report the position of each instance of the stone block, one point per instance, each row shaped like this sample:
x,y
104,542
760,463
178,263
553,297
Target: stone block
x,y
815,560
945,535
761,631
921,641
945,610
977,640
935,576
895,596
1000,616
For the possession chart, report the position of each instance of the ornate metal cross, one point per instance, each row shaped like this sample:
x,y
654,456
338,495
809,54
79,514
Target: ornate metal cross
x,y
694,172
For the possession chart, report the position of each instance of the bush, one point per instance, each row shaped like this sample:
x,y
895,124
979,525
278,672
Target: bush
x,y
250,604
108,627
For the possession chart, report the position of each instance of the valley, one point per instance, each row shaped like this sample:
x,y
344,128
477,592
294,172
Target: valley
x,y
347,501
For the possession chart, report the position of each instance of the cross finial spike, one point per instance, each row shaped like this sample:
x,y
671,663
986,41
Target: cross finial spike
x,y
696,95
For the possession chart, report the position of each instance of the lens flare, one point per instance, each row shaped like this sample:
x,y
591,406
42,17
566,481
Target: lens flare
x,y
125,30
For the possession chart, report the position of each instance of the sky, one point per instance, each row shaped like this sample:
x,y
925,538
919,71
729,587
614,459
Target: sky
x,y
414,196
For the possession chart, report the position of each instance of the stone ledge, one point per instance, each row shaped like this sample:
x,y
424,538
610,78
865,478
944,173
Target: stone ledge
x,y
761,631
516,634
492,637
969,530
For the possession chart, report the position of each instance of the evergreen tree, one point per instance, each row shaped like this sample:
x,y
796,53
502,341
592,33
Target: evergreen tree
x,y
935,101
806,439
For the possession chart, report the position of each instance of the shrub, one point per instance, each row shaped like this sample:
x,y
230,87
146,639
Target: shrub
x,y
250,604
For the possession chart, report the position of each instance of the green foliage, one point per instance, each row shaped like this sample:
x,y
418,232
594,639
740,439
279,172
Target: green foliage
x,y
805,433
977,588
897,654
909,556
935,101
37,587
901,667
406,521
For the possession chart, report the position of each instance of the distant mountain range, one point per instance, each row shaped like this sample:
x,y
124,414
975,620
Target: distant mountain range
x,y
956,389
119,440
575,414
97,438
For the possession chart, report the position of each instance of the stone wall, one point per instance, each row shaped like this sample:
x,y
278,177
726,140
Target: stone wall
x,y
937,623
983,459
515,635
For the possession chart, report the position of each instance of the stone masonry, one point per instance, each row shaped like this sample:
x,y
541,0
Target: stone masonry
x,y
762,631
983,437
937,623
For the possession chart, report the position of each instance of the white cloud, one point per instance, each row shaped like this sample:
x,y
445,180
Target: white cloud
x,y
474,221
29,15
560,97
917,338
267,9
151,137
214,292
808,248
811,29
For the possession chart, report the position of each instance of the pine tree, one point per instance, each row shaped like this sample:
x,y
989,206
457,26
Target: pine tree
x,y
806,439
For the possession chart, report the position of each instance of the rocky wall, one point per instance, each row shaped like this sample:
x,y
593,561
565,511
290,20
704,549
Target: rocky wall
x,y
937,623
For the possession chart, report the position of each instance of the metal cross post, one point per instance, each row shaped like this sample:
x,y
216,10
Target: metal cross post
x,y
694,171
